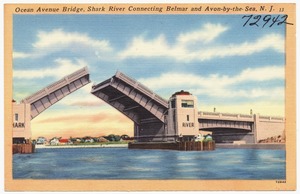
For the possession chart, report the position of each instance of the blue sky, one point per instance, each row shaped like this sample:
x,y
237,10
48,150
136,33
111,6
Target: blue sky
x,y
227,66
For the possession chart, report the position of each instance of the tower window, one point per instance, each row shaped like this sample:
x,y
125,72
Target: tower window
x,y
173,103
187,103
188,117
16,117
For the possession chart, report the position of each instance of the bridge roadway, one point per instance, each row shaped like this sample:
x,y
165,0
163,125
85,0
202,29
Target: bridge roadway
x,y
51,94
209,120
228,127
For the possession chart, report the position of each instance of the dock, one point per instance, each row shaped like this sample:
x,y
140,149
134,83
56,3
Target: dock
x,y
26,148
181,146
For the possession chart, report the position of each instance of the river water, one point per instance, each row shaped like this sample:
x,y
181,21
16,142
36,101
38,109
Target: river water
x,y
123,163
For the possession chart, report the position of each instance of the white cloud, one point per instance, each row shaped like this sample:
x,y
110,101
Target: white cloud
x,y
59,40
159,47
20,55
202,41
83,98
216,85
271,41
183,79
64,67
206,34
227,92
261,74
140,47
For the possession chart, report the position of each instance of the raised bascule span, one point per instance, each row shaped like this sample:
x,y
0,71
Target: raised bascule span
x,y
145,108
51,94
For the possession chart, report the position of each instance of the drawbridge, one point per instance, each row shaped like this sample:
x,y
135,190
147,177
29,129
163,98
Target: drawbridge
x,y
51,94
145,108
149,112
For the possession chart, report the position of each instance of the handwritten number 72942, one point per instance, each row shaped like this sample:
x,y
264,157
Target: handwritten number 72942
x,y
267,20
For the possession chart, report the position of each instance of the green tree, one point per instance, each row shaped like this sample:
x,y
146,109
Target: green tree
x,y
117,137
111,137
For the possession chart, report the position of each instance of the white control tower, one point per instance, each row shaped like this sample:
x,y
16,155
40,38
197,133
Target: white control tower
x,y
183,115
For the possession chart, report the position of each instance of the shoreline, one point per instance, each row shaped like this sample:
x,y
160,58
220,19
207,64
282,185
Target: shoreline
x,y
82,146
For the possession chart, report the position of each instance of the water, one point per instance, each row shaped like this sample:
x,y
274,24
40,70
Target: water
x,y
122,163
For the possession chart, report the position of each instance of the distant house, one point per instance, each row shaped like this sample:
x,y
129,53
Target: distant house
x,y
64,141
89,140
41,140
54,141
126,138
102,139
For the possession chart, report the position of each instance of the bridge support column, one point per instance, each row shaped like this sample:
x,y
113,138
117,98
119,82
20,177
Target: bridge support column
x,y
255,126
136,131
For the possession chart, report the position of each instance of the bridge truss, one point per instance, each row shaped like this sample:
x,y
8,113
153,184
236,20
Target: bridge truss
x,y
51,94
145,108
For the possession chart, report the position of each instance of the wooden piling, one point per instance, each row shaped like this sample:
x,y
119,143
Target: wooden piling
x,y
196,146
23,148
182,145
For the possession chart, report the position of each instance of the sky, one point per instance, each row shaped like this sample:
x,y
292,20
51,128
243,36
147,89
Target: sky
x,y
227,66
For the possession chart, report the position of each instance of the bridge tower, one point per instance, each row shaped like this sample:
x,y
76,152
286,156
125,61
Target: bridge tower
x,y
21,122
182,116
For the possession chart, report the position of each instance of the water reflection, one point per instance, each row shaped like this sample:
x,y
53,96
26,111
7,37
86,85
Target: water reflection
x,y
121,163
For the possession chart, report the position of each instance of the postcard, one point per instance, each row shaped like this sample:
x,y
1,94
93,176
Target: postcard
x,y
150,97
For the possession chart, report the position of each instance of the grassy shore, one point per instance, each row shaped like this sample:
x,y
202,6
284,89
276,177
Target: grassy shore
x,y
87,145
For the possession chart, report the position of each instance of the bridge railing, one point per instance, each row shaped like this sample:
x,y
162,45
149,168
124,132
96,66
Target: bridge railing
x,y
161,100
102,83
229,115
270,118
225,116
37,95
125,78
56,85
77,74
209,113
141,88
246,116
